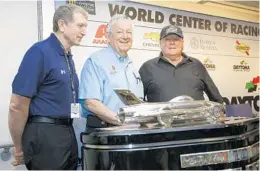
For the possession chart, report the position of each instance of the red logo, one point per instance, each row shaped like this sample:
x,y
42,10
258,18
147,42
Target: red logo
x,y
251,86
100,37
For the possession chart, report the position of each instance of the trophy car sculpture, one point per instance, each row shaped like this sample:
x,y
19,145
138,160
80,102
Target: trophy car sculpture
x,y
181,110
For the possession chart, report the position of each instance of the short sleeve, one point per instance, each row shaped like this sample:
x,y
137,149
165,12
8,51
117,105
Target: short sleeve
x,y
30,73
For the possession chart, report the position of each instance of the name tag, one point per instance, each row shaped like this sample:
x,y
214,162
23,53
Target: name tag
x,y
75,110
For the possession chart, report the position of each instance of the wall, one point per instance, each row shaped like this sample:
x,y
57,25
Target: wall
x,y
18,32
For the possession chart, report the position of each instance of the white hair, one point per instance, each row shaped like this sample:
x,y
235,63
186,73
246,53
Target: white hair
x,y
115,18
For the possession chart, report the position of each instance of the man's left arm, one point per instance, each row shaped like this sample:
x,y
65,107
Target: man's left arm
x,y
144,79
210,87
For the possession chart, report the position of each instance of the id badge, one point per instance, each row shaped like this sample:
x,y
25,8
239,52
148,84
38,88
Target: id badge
x,y
75,110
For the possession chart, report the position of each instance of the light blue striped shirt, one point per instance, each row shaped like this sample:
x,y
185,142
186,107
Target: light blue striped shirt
x,y
103,71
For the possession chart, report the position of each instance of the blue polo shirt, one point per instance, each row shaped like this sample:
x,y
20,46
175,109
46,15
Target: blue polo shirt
x,y
43,76
103,71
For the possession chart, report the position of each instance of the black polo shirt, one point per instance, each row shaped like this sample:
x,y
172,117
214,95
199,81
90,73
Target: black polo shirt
x,y
164,81
44,77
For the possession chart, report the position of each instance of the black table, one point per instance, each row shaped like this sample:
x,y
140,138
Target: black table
x,y
231,145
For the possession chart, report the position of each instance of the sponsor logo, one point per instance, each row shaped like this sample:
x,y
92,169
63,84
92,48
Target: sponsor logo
x,y
242,47
243,66
62,71
100,36
252,100
113,70
171,30
208,63
252,85
151,39
154,36
194,43
89,6
203,44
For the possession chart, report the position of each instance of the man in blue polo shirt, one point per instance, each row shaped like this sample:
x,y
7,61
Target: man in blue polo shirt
x,y
44,98
106,70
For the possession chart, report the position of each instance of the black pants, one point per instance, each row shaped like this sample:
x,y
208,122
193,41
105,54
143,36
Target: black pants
x,y
49,147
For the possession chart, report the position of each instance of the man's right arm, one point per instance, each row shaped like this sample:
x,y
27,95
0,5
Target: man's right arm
x,y
91,89
101,111
25,85
17,118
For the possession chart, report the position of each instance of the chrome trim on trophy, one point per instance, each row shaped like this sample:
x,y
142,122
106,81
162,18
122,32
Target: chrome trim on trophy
x,y
218,157
238,168
159,145
182,110
154,128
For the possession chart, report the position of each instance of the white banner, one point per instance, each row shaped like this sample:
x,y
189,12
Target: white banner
x,y
228,48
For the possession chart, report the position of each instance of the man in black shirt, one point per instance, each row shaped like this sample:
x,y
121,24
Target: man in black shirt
x,y
174,73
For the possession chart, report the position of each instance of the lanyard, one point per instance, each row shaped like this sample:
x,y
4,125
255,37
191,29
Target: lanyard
x,y
71,72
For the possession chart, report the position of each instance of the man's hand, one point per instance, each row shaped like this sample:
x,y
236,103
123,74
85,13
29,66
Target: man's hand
x,y
101,111
18,157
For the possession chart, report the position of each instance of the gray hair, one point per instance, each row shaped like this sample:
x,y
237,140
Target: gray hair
x,y
65,12
117,17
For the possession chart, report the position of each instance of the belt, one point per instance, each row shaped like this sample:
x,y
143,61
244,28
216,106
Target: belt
x,y
44,119
95,122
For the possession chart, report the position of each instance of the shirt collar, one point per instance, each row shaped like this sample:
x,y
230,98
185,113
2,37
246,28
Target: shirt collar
x,y
120,58
57,45
185,58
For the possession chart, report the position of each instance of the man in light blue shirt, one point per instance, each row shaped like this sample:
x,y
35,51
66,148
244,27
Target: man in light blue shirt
x,y
106,70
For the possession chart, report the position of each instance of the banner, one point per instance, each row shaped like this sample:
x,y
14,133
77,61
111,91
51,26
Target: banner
x,y
228,48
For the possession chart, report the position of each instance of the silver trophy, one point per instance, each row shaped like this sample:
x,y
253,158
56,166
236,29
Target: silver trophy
x,y
182,110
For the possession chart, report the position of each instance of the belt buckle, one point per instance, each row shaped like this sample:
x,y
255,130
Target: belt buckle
x,y
67,121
